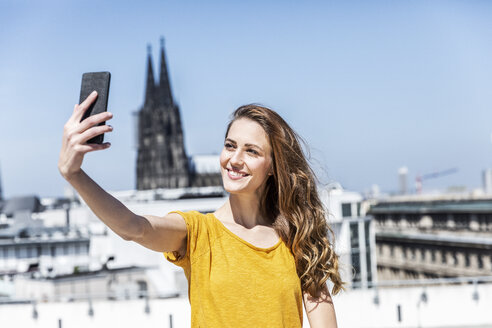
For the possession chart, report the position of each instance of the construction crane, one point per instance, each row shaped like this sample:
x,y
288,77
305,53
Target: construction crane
x,y
420,178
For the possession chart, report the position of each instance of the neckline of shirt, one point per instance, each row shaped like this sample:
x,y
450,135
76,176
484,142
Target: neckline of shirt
x,y
263,249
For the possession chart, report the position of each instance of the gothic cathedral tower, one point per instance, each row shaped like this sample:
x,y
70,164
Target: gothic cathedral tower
x,y
161,161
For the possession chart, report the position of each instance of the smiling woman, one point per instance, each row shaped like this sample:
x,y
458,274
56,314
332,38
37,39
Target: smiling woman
x,y
246,160
251,262
255,260
287,195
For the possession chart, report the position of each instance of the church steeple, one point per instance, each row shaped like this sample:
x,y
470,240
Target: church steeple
x,y
161,159
165,95
150,87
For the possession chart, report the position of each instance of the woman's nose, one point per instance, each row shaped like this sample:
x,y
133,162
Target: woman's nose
x,y
236,158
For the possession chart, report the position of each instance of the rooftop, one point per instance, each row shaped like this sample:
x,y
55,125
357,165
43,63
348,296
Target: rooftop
x,y
433,205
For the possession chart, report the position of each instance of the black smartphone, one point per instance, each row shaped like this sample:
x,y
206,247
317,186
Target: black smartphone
x,y
98,81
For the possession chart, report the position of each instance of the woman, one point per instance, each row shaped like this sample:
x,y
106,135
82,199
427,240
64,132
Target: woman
x,y
252,262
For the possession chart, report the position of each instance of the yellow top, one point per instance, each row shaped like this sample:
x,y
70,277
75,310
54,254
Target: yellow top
x,y
232,283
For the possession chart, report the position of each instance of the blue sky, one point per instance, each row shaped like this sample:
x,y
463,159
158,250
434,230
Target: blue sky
x,y
370,85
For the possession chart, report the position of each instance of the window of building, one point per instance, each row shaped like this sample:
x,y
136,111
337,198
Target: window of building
x,y
346,210
480,261
461,220
354,235
368,263
31,251
45,250
439,220
443,257
356,255
358,209
433,255
11,252
467,259
71,249
380,219
356,266
412,219
367,231
483,221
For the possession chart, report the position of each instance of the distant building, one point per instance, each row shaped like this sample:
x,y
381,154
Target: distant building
x,y
204,170
28,246
354,232
52,249
423,236
109,283
402,179
487,181
162,161
30,204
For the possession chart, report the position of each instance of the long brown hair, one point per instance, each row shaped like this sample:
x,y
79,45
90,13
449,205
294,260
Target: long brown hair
x,y
291,201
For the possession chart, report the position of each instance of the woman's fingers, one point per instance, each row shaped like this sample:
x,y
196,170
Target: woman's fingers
x,y
76,134
94,131
79,110
93,147
92,121
74,125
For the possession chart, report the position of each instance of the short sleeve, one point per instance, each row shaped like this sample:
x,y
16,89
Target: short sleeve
x,y
192,220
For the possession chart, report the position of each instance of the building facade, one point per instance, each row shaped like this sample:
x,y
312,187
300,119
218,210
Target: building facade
x,y
355,238
421,237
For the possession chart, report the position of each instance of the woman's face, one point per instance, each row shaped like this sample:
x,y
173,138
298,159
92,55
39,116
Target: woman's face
x,y
246,160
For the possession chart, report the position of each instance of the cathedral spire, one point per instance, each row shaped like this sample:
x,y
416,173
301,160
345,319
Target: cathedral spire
x,y
162,161
150,87
165,94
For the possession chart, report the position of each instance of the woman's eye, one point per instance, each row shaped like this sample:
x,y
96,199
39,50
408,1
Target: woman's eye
x,y
228,145
252,151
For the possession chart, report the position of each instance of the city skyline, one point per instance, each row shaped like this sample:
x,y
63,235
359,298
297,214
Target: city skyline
x,y
370,87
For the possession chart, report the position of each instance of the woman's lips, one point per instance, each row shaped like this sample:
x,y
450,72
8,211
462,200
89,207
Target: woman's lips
x,y
236,175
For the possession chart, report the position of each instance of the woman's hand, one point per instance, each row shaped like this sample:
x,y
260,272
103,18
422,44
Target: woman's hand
x,y
76,134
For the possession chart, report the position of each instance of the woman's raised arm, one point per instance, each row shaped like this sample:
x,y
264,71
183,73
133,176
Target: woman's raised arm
x,y
166,233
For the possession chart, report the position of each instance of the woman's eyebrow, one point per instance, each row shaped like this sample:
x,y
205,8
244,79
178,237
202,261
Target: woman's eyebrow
x,y
254,146
246,145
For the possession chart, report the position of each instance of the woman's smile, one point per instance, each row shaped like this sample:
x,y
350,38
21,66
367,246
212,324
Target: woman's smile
x,y
235,174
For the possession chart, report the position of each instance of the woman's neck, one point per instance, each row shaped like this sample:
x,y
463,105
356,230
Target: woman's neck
x,y
244,210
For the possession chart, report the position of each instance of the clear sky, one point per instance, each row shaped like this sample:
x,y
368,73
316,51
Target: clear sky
x,y
370,85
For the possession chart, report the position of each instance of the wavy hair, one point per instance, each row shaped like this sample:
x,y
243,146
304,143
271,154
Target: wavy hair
x,y
290,199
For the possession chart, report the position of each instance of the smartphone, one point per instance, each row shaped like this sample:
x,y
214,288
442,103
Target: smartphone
x,y
98,81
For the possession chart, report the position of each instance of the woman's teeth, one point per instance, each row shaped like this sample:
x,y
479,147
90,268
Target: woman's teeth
x,y
236,174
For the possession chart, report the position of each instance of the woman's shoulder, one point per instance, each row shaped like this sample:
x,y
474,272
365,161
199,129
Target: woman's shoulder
x,y
193,214
196,218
